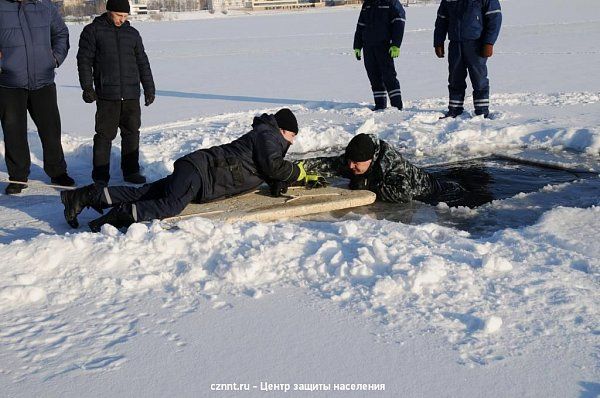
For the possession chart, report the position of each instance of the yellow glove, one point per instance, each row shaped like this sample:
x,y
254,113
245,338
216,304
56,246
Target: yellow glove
x,y
302,175
310,181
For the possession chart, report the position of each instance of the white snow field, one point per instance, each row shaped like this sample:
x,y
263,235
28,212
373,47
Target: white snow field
x,y
426,309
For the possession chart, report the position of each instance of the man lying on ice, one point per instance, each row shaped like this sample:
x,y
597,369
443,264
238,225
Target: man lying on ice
x,y
200,176
373,164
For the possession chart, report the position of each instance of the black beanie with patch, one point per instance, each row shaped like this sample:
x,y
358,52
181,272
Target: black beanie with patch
x,y
286,120
118,6
360,148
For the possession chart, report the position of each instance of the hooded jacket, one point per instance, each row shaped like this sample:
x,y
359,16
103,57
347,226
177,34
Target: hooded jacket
x,y
245,163
34,41
390,176
113,60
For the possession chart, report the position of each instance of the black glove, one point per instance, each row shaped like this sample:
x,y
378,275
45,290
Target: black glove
x,y
278,188
149,98
89,95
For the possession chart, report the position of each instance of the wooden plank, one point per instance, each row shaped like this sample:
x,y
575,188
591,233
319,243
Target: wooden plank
x,y
260,206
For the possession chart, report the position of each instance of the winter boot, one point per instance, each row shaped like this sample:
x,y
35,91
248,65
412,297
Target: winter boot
x,y
396,101
483,111
135,178
119,217
452,113
77,200
63,180
14,188
380,103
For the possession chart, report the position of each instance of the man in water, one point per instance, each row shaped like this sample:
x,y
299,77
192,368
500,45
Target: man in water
x,y
372,164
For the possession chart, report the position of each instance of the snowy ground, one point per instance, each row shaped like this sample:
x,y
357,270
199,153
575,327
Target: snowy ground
x,y
426,309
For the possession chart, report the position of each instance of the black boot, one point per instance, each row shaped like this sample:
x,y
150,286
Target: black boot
x,y
119,217
14,188
380,103
77,200
483,111
396,101
63,180
452,113
135,178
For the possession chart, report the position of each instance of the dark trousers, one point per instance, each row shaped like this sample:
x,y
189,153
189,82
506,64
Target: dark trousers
x,y
465,57
161,199
382,75
43,108
111,116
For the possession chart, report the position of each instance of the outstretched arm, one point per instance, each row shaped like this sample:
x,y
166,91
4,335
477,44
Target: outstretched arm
x,y
270,163
327,166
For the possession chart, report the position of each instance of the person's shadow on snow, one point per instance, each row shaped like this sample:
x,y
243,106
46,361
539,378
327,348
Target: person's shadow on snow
x,y
33,214
590,389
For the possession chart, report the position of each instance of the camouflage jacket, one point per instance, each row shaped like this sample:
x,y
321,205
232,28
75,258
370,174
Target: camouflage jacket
x,y
390,177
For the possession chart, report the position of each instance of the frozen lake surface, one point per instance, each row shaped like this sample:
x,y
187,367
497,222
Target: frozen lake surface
x,y
498,300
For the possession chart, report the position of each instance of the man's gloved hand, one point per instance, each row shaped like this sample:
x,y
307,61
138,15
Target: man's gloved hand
x,y
310,181
439,51
278,188
357,54
315,181
149,99
487,50
394,51
89,95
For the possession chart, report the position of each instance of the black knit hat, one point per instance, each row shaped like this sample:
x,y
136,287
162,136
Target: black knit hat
x,y
360,148
118,6
286,120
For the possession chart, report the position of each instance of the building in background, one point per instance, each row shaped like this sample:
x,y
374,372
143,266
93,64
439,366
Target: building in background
x,y
87,8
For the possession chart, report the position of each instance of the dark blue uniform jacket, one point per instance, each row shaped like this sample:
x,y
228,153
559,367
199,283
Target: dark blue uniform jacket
x,y
468,20
380,22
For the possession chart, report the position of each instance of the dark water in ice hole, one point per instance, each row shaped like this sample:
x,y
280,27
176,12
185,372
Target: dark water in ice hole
x,y
486,180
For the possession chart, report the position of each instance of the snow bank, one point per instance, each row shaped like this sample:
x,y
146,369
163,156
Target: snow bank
x,y
489,298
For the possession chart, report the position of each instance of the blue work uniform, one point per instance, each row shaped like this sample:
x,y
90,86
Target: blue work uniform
x,y
380,26
469,24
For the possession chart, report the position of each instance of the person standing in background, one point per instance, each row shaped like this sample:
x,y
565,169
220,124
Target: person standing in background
x,y
34,41
112,63
379,33
473,27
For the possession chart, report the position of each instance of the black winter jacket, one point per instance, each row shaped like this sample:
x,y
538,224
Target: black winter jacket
x,y
390,177
245,163
113,60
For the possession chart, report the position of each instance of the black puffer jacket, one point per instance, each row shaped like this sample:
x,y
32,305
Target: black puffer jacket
x,y
113,59
245,163
390,176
